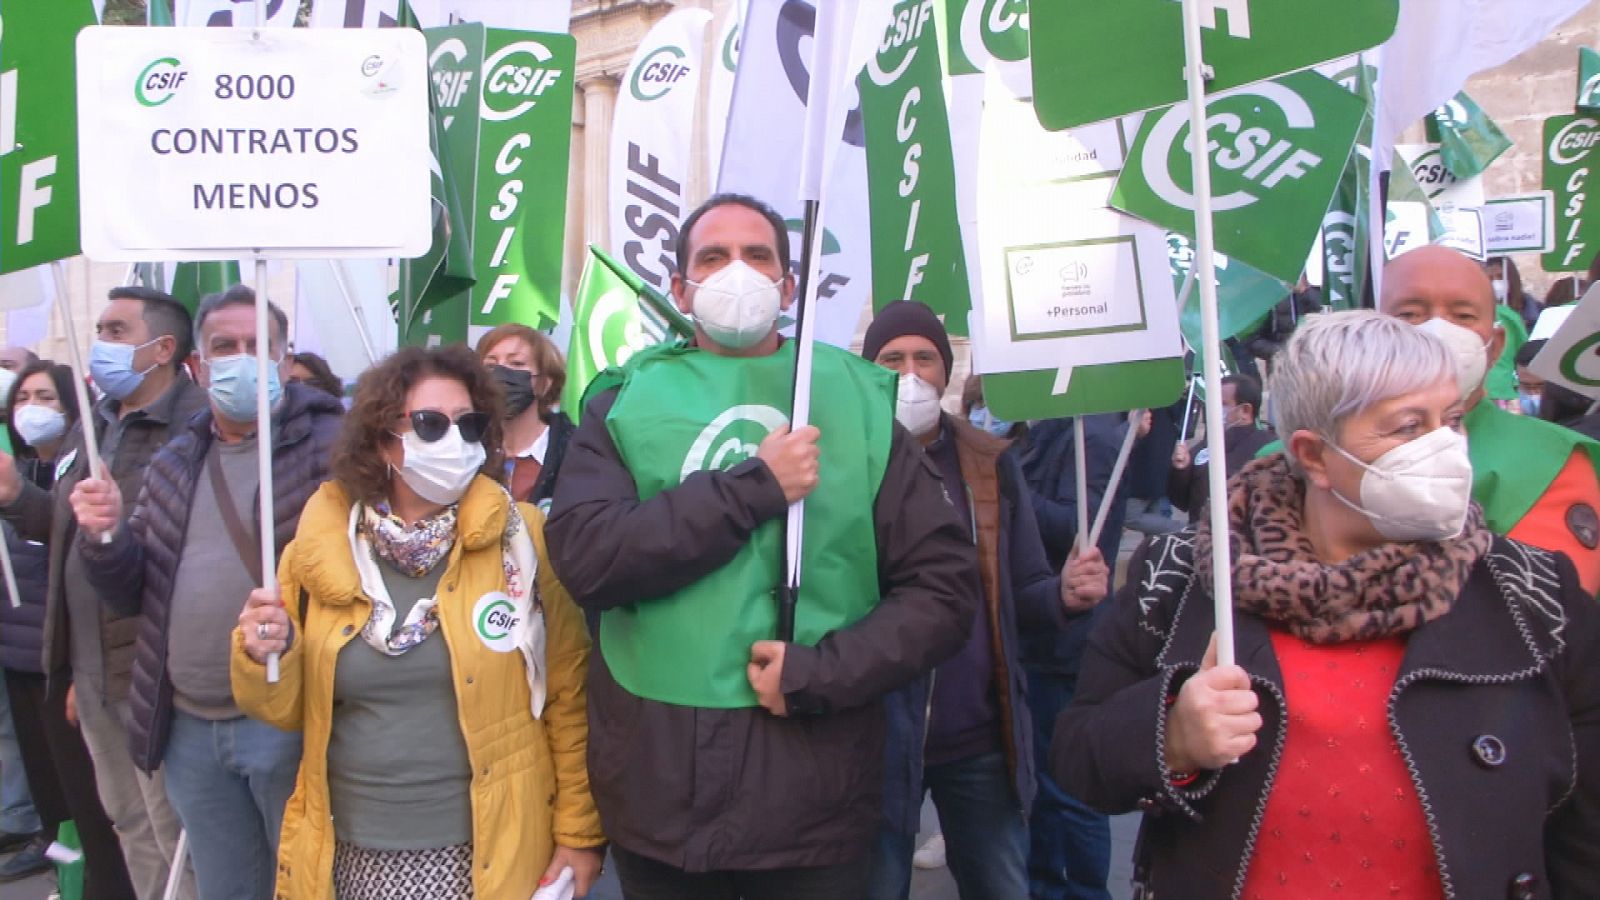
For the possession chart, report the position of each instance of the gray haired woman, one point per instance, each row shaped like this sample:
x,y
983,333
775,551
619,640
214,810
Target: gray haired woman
x,y
1416,706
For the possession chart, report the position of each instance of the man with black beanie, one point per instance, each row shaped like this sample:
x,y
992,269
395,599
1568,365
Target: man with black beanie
x,y
964,732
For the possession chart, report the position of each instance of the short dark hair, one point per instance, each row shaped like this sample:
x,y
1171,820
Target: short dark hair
x,y
164,316
322,377
731,199
380,399
1246,390
239,295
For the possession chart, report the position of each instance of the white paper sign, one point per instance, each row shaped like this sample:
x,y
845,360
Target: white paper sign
x,y
200,143
1444,190
1463,231
1407,227
1571,357
1522,224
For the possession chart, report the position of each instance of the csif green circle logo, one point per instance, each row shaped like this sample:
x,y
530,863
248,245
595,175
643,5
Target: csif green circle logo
x,y
159,81
658,73
1574,357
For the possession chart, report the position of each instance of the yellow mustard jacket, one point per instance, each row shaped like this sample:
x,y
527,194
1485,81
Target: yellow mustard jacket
x,y
530,784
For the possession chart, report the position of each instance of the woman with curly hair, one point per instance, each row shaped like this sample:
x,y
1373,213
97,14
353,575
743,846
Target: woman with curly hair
x,y
433,661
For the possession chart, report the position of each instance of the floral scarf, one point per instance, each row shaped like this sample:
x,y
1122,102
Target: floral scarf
x,y
1386,591
414,551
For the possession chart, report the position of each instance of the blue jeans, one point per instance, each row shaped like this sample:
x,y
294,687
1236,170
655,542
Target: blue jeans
x,y
17,815
1070,856
985,835
228,782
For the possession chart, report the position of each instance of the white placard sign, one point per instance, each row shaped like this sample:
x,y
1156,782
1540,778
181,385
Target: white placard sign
x,y
200,143
1522,224
1571,356
1463,231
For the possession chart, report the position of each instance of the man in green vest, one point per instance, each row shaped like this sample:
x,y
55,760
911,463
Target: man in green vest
x,y
1536,481
723,762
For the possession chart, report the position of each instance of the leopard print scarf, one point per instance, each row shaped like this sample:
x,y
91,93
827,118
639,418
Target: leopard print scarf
x,y
1378,593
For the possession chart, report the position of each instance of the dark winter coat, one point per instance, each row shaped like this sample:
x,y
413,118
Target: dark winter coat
x,y
136,572
1189,488
544,489
710,789
1513,662
22,625
1028,600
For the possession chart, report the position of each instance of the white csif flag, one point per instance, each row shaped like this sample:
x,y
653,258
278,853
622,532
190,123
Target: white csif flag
x,y
652,135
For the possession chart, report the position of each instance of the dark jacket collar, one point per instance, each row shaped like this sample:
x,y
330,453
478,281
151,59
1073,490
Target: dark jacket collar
x,y
291,421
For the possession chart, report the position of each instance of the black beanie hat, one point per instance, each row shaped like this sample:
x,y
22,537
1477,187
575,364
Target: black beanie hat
x,y
904,317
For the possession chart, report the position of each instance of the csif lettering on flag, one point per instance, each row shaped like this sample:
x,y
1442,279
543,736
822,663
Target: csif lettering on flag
x,y
1277,149
1468,139
917,251
38,141
1570,160
1345,226
652,135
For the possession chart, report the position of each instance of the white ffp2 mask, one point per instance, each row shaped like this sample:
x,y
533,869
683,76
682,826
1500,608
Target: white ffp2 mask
x,y
1418,491
737,306
916,405
1471,354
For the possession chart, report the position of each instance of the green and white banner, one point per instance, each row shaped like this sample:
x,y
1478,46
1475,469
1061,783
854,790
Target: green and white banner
x,y
917,252
38,135
1131,51
1588,81
1570,160
1524,223
1468,139
1277,148
1346,226
504,104
1571,356
614,315
1244,296
720,97
652,141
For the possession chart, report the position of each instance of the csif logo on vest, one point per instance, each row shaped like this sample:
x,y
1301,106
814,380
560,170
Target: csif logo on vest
x,y
514,78
1259,123
158,82
615,334
660,72
731,438
494,618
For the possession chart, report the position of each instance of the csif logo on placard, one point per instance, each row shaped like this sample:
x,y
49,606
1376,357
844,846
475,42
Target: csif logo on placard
x,y
1432,175
450,80
660,71
1578,364
1574,141
514,78
1259,124
732,437
159,81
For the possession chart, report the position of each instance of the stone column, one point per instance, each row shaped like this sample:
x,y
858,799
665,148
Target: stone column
x,y
599,102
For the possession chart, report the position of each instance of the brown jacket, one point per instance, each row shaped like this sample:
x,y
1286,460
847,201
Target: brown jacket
x,y
716,789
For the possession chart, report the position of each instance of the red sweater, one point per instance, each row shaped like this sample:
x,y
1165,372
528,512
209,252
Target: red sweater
x,y
1343,819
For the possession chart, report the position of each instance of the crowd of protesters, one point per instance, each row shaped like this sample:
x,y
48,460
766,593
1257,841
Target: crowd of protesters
x,y
516,644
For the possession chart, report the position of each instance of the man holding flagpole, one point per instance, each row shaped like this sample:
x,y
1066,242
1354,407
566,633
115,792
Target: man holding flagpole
x,y
724,763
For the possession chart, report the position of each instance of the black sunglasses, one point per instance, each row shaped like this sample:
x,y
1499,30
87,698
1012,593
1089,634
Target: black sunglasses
x,y
431,425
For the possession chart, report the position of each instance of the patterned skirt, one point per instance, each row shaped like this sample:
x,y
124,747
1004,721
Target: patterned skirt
x,y
441,874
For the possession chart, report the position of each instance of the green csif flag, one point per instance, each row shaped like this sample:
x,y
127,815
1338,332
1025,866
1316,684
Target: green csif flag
x,y
192,281
1468,139
1244,296
1346,226
916,235
1588,81
614,315
159,13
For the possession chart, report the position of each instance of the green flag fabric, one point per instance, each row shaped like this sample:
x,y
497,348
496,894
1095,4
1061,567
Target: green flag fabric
x,y
1468,139
159,13
1346,226
192,281
1588,81
614,315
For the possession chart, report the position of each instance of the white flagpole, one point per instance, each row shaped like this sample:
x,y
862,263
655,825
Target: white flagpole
x,y
80,385
343,280
1205,274
264,443
10,572
180,856
1081,466
1116,480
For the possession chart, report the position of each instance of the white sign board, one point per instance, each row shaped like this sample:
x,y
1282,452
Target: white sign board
x,y
202,143
1463,231
1571,357
1523,224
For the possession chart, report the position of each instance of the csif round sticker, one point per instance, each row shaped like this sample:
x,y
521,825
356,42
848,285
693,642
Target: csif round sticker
x,y
494,620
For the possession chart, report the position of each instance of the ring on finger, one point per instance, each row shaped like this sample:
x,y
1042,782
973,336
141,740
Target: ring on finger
x,y
263,630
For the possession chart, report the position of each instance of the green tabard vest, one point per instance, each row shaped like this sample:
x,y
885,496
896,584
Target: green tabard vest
x,y
1514,459
681,410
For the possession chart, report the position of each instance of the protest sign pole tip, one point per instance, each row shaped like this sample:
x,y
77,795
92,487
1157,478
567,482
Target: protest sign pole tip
x,y
80,384
1211,356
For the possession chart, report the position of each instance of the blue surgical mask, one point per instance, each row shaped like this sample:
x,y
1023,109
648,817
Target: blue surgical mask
x,y
980,417
111,367
233,386
1529,402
